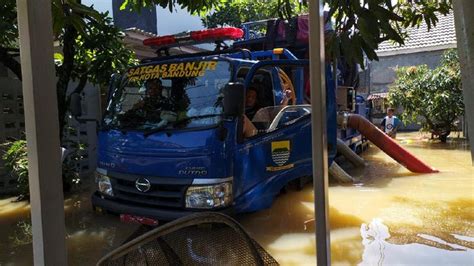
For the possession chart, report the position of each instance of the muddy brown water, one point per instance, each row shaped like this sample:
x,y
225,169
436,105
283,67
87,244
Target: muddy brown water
x,y
390,216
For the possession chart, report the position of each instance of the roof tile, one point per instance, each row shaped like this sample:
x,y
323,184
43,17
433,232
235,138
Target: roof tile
x,y
420,39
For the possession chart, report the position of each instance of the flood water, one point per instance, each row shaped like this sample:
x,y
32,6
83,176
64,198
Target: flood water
x,y
390,216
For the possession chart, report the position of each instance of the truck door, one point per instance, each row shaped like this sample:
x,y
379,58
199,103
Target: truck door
x,y
279,152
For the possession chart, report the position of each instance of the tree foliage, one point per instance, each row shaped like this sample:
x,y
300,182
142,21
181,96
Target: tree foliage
x,y
16,164
8,24
193,6
8,37
99,52
359,26
433,94
234,13
92,48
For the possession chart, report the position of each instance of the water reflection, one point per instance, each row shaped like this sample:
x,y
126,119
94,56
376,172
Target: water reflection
x,y
379,249
88,235
425,217
390,216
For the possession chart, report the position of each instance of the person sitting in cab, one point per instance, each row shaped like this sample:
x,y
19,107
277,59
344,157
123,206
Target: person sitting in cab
x,y
251,108
251,102
251,105
154,92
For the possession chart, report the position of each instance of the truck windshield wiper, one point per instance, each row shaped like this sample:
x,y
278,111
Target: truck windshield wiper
x,y
195,117
155,130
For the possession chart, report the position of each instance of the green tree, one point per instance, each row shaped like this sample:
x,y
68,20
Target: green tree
x,y
72,22
433,94
192,6
92,49
8,37
99,53
359,26
91,46
234,13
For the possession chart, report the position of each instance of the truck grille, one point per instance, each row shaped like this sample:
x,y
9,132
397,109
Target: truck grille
x,y
161,193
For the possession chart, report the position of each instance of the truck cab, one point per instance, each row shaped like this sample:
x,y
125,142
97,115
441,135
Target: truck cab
x,y
172,138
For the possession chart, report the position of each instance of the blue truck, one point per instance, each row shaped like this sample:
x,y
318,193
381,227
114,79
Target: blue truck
x,y
172,139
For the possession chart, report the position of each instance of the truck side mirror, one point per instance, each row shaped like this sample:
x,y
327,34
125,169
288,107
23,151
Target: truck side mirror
x,y
234,99
75,104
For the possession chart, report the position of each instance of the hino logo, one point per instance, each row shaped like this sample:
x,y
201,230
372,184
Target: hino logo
x,y
142,184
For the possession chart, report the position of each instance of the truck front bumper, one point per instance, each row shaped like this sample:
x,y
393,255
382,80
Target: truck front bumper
x,y
117,207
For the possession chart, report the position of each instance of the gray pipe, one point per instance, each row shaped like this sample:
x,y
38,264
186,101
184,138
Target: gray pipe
x,y
339,174
349,154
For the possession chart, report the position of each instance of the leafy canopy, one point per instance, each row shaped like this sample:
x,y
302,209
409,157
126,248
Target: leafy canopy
x,y
359,26
8,24
234,13
99,52
193,6
434,94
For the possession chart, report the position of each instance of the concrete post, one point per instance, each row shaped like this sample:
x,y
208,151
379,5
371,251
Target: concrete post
x,y
42,132
319,138
464,22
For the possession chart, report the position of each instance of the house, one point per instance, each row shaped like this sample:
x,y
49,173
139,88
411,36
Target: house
x,y
421,47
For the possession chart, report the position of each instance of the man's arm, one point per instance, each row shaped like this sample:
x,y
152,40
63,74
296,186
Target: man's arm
x,y
286,97
249,129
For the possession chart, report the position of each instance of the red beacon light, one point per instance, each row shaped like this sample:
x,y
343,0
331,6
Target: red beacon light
x,y
196,37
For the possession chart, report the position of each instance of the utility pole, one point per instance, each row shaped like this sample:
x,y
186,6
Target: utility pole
x,y
42,131
319,133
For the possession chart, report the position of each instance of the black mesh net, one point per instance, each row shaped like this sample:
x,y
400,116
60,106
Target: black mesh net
x,y
201,239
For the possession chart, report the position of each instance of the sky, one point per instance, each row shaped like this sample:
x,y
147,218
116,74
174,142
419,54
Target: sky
x,y
167,22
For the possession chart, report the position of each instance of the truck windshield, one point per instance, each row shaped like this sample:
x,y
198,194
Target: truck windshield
x,y
168,96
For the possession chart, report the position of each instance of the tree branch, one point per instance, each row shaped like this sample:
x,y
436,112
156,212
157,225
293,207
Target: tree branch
x,y
9,61
64,73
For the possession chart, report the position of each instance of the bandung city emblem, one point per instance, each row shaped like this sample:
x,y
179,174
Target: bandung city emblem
x,y
281,152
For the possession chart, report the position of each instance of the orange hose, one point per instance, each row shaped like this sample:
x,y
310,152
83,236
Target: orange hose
x,y
388,145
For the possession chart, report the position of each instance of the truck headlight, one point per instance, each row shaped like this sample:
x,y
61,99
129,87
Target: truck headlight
x,y
208,197
104,184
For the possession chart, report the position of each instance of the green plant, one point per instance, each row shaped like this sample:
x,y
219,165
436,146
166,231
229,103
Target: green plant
x,y
433,94
23,234
359,26
74,155
16,163
234,13
91,47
